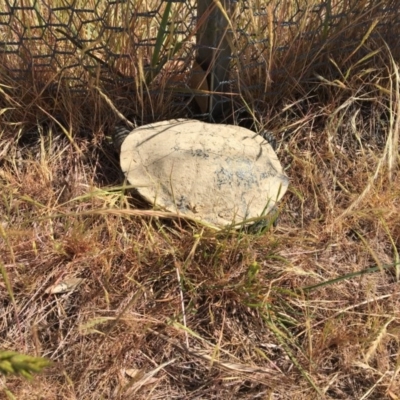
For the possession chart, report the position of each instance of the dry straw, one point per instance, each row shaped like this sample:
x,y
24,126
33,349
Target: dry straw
x,y
165,308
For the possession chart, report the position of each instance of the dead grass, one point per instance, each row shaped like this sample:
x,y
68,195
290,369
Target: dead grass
x,y
130,303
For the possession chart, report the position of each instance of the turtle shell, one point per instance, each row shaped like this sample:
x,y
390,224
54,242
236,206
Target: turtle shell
x,y
219,174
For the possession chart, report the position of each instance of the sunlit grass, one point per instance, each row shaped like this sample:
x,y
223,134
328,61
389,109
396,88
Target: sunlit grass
x,y
130,302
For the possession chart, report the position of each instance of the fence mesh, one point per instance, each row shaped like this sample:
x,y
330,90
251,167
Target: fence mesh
x,y
116,44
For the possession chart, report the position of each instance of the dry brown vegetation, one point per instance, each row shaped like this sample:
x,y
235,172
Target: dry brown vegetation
x,y
129,304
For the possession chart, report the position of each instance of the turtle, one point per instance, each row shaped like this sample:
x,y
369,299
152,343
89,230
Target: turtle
x,y
219,174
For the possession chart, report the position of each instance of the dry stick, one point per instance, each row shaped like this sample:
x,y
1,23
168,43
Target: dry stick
x,y
116,111
107,66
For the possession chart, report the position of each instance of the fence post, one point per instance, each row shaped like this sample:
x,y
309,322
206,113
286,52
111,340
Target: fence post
x,y
214,52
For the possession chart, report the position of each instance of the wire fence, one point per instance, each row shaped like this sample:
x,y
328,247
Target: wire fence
x,y
124,44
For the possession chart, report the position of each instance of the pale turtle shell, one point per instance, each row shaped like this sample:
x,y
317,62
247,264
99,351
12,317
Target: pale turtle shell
x,y
218,174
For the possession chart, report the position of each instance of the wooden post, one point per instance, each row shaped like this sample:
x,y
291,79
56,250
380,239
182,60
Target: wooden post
x,y
214,52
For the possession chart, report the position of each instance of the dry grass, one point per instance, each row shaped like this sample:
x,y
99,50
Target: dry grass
x,y
132,304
